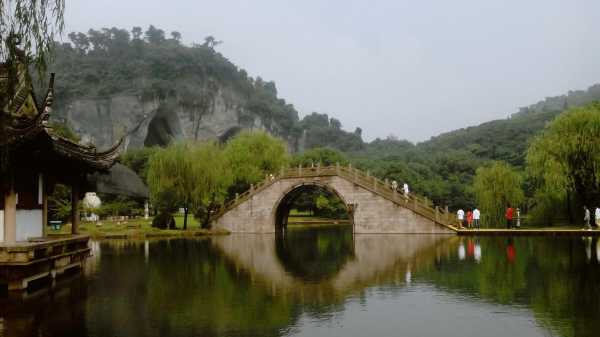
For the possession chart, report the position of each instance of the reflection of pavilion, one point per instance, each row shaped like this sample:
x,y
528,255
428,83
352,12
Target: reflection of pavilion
x,y
33,159
374,258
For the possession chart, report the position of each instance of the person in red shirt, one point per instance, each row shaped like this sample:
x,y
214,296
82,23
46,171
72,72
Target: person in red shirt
x,y
469,218
509,216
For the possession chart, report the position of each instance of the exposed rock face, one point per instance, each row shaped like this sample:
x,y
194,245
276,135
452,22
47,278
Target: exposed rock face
x,y
219,114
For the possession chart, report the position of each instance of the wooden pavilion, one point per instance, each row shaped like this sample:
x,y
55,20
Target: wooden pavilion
x,y
33,159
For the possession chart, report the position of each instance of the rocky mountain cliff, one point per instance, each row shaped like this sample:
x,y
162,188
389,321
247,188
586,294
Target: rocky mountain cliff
x,y
151,90
103,121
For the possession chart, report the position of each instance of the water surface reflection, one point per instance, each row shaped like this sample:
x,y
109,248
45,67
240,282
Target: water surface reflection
x,y
322,283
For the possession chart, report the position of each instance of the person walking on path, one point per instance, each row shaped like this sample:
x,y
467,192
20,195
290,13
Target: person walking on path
x,y
469,219
586,218
509,216
597,216
405,190
518,213
460,215
476,216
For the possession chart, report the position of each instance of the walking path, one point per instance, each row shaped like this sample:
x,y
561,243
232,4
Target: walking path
x,y
529,232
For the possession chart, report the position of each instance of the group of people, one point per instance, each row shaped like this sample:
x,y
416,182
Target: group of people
x,y
587,217
471,220
404,188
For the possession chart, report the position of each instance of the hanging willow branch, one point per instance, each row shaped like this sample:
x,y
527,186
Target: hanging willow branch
x,y
27,31
30,26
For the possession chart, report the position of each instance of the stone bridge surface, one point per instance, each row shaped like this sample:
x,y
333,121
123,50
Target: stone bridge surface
x,y
373,206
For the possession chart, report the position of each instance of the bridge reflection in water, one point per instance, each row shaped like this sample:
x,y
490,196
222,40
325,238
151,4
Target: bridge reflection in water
x,y
331,260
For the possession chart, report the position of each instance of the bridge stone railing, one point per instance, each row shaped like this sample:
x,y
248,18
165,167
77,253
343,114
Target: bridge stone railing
x,y
417,204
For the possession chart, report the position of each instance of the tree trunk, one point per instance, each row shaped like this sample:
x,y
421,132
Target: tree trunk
x,y
185,215
569,209
209,208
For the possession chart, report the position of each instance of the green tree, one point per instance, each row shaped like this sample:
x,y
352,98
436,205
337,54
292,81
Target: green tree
x,y
253,155
564,159
213,178
495,187
137,160
172,180
323,155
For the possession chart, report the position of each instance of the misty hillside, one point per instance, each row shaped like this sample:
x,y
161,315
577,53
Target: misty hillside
x,y
152,89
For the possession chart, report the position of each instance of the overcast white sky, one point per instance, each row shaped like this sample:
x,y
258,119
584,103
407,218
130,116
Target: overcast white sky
x,y
408,68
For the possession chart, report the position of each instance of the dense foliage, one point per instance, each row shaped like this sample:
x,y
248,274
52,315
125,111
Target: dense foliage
x,y
496,187
564,161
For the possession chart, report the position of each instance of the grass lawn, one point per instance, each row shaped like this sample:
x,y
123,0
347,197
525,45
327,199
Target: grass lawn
x,y
135,228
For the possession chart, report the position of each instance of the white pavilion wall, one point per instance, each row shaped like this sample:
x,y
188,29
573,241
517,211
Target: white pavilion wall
x,y
1,226
29,224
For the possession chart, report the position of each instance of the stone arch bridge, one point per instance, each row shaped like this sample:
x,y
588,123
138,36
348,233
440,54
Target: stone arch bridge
x,y
373,207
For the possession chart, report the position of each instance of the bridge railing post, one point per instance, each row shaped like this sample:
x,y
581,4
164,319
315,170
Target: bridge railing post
x,y
375,183
437,212
300,170
318,168
337,168
282,171
355,175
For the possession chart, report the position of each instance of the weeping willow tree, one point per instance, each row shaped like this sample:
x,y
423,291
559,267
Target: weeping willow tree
x,y
213,177
495,187
564,163
191,176
252,155
172,180
29,27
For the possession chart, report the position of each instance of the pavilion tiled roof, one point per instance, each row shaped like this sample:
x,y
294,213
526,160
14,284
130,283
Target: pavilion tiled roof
x,y
23,129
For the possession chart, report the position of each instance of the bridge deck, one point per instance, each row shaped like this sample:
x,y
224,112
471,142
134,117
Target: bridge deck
x,y
417,204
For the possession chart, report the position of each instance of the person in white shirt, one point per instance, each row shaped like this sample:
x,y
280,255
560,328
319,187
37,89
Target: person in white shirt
x,y
476,216
586,218
597,215
405,189
394,185
460,215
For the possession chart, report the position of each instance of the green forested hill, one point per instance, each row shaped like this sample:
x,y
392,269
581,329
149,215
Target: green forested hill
x,y
444,166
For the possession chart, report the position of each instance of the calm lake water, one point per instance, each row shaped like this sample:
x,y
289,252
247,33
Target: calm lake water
x,y
322,282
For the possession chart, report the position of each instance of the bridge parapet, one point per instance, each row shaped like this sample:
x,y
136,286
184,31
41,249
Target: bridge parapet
x,y
413,202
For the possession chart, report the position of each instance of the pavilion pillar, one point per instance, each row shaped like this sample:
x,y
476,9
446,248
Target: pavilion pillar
x,y
75,208
44,191
10,215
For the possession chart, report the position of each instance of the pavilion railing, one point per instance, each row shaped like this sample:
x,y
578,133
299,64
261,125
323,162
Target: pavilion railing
x,y
417,204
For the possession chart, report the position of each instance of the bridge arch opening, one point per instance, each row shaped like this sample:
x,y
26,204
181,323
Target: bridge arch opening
x,y
315,201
